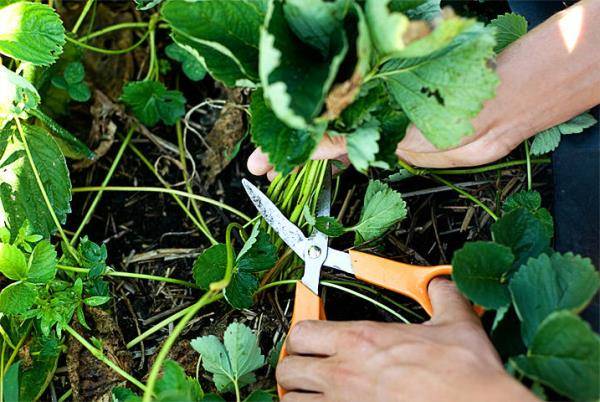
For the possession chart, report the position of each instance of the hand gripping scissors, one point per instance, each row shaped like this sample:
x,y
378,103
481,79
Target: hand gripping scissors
x,y
408,280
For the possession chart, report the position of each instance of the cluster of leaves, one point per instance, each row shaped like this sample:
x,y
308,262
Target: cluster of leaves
x,y
72,81
520,277
31,262
257,255
231,363
361,69
382,209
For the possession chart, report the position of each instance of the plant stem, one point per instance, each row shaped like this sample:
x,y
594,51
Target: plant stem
x,y
64,396
489,168
528,159
183,160
38,180
151,64
223,283
133,275
459,190
185,209
207,298
98,354
167,191
367,298
82,16
112,28
109,174
112,52
15,351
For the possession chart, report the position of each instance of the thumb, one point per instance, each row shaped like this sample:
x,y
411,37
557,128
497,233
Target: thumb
x,y
449,305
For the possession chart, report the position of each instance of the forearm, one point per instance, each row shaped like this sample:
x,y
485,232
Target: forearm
x,y
548,76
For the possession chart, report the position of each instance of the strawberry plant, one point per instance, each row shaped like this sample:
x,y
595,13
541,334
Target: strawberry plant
x,y
289,72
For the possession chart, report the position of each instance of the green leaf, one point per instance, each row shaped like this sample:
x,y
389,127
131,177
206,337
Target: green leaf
x,y
315,21
577,124
121,394
240,291
74,73
362,146
261,254
18,96
151,102
520,230
31,32
532,201
71,146
545,141
428,10
13,264
79,92
295,77
565,356
383,207
59,82
190,64
330,226
146,4
95,301
10,383
480,270
259,396
17,298
176,386
210,266
286,147
20,196
387,27
548,140
233,362
547,284
443,91
42,263
224,35
509,28
393,128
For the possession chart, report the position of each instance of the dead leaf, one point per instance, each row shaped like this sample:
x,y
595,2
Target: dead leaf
x,y
91,380
342,95
415,31
224,137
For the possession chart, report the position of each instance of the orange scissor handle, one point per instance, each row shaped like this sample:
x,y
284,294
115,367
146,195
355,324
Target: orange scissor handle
x,y
307,306
406,279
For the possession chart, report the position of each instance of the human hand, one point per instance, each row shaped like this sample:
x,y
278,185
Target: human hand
x,y
449,358
546,77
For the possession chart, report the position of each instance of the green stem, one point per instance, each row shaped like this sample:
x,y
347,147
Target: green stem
x,y
66,395
528,160
166,191
112,52
133,275
207,298
489,168
475,200
15,351
188,185
112,28
3,351
151,64
367,298
38,180
223,283
6,338
107,178
82,16
98,354
185,209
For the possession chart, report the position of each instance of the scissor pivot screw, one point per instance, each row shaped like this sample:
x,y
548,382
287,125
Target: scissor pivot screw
x,y
314,252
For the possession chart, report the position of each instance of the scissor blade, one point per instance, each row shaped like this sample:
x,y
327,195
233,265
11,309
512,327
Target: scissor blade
x,y
289,233
318,240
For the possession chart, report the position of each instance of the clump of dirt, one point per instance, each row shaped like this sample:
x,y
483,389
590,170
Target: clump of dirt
x,y
91,380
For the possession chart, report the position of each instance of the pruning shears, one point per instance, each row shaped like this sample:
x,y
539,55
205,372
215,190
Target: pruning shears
x,y
408,280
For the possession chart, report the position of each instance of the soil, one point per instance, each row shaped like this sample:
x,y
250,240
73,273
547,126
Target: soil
x,y
148,233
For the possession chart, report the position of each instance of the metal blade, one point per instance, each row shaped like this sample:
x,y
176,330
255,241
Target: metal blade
x,y
339,260
289,233
318,242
